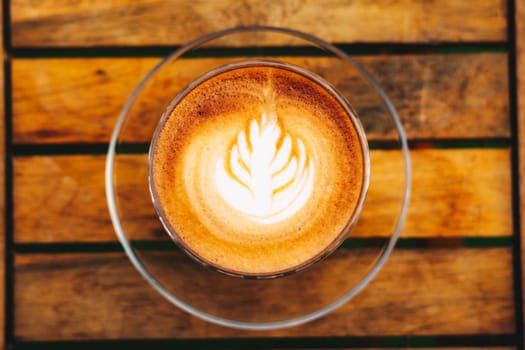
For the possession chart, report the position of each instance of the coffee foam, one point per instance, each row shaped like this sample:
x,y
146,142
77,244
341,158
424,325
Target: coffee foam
x,y
266,174
257,170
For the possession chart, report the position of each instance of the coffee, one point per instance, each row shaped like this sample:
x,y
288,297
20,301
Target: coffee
x,y
258,169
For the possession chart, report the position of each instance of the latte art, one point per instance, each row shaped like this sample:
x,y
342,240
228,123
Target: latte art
x,y
258,169
267,175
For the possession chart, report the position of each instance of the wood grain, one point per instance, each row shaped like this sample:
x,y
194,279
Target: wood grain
x,y
86,23
3,314
520,81
437,96
418,292
464,192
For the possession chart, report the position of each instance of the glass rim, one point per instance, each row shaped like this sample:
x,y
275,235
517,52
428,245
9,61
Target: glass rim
x,y
353,218
135,260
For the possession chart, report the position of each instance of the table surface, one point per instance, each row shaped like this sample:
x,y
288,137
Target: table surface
x,y
454,69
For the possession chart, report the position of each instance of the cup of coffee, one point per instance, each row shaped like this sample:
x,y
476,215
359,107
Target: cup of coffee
x,y
259,169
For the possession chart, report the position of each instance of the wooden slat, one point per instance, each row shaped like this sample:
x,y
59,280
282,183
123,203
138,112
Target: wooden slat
x,y
418,292
473,104
2,188
3,314
153,22
164,344
464,192
306,343
520,77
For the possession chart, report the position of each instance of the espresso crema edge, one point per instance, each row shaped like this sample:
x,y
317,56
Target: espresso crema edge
x,y
258,169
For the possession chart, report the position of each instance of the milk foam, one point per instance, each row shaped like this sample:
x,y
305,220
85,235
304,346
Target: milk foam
x,y
267,174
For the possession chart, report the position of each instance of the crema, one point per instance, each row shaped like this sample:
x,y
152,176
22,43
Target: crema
x,y
258,169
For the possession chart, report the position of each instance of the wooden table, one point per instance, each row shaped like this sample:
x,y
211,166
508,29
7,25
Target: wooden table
x,y
453,70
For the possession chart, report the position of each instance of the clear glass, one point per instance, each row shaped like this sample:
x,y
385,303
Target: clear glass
x,y
251,303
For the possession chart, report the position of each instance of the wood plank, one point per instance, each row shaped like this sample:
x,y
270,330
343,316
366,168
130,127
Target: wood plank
x,y
474,104
307,343
520,81
3,213
418,292
126,23
456,193
162,344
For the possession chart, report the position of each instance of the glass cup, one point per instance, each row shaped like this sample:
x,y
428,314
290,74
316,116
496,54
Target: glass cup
x,y
248,303
264,207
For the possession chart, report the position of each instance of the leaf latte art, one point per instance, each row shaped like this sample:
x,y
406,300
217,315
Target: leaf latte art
x,y
258,169
268,175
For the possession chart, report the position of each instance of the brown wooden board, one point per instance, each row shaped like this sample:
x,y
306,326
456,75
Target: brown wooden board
x,y
465,192
128,23
456,193
437,96
520,77
419,292
3,314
